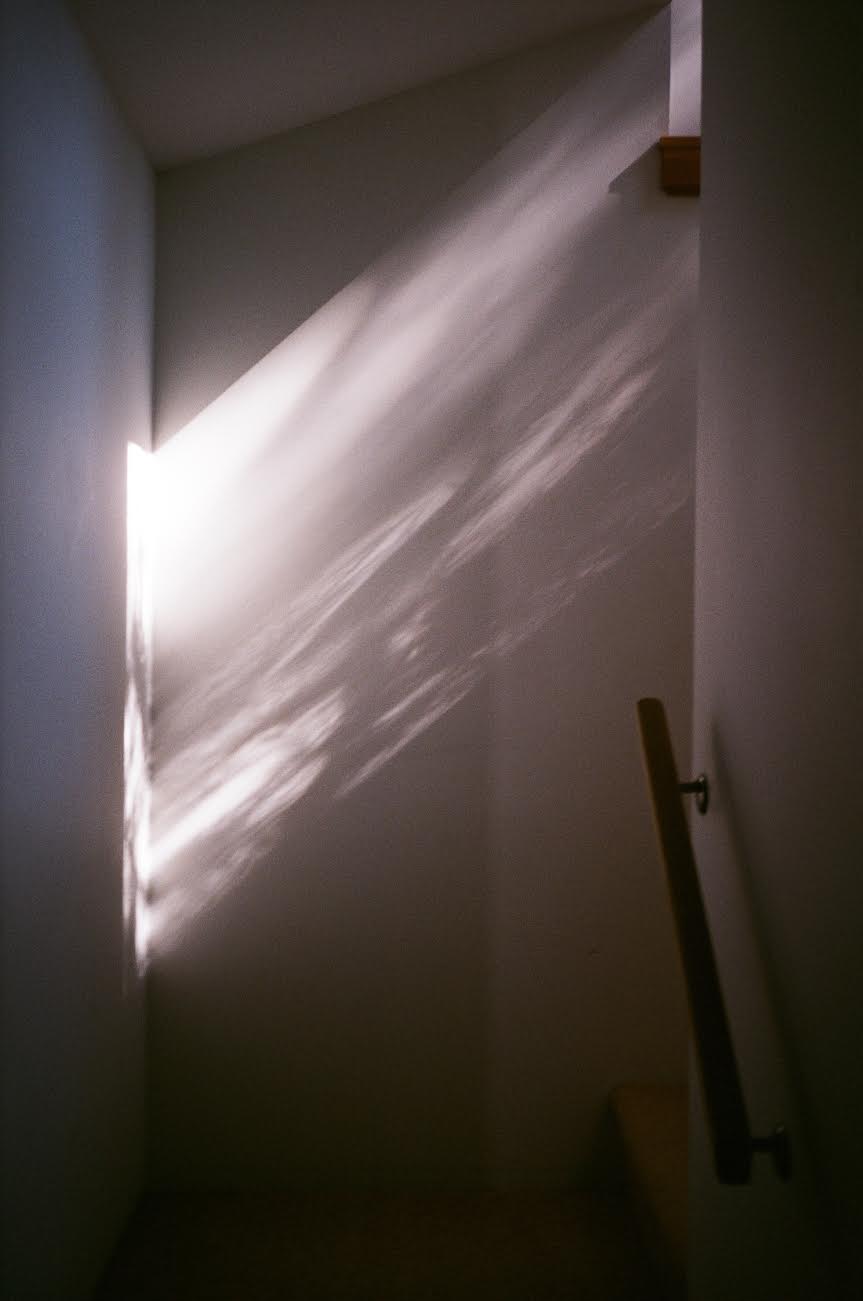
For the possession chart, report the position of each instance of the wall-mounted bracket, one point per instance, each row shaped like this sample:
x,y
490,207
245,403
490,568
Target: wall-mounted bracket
x,y
699,788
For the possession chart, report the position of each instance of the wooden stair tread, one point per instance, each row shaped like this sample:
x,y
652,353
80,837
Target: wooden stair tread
x,y
653,1126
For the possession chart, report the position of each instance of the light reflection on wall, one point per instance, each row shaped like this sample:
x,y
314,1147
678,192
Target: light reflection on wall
x,y
136,720
322,520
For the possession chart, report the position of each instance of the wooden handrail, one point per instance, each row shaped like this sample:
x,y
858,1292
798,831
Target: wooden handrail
x,y
724,1103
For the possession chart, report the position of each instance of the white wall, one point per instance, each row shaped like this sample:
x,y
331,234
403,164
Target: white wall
x,y
417,565
76,302
778,633
684,107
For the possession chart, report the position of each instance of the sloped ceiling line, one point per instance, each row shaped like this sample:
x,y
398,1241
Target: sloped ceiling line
x,y
198,77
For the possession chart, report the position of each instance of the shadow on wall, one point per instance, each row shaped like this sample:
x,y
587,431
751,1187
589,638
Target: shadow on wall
x,y
329,530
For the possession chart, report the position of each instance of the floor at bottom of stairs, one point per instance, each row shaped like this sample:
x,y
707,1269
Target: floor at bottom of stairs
x,y
430,1248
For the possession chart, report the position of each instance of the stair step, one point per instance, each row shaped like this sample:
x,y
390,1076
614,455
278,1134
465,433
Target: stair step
x,y
653,1126
520,1247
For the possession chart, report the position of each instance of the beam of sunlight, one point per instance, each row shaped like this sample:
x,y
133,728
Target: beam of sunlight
x,y
684,109
331,530
140,498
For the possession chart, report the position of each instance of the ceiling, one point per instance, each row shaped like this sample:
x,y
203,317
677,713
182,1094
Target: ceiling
x,y
196,77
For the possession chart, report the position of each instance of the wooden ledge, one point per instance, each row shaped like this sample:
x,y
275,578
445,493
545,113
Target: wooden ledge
x,y
681,164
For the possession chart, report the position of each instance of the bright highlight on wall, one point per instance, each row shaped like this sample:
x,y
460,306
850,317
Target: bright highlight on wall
x,y
140,476
333,528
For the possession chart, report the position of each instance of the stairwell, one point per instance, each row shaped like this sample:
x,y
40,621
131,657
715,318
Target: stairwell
x,y
625,1245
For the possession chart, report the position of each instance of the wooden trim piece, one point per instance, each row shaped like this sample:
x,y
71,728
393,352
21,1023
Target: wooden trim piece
x,y
681,164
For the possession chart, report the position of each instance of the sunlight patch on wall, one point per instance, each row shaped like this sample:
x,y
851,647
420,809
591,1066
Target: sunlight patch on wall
x,y
684,108
331,527
140,475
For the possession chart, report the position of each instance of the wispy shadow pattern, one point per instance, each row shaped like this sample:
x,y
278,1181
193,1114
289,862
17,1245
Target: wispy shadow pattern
x,y
329,551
